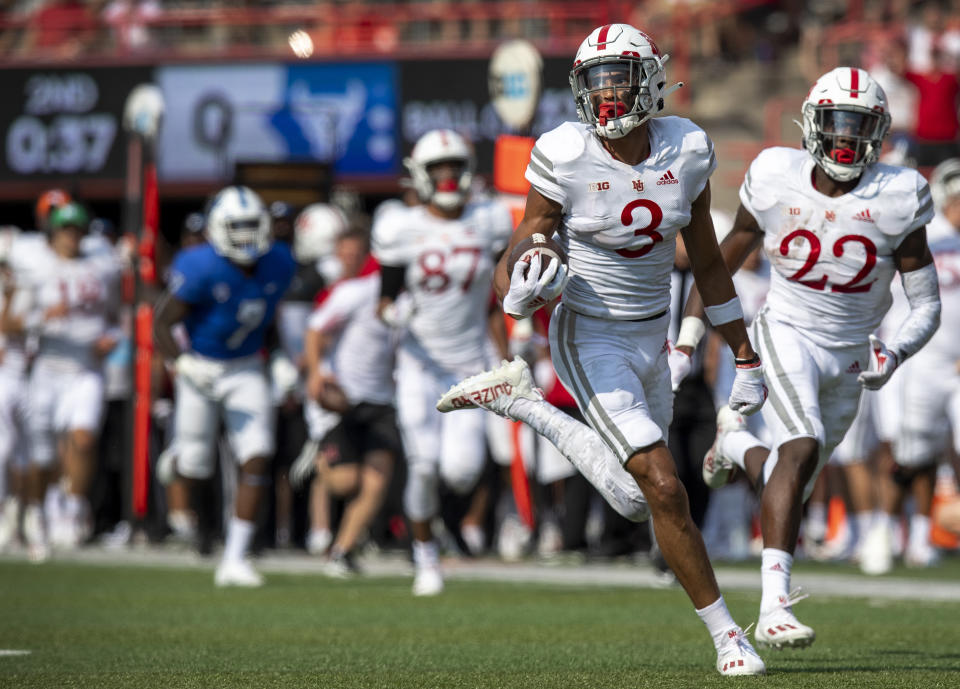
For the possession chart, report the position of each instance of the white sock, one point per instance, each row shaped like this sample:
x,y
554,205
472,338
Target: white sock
x,y
585,449
239,535
775,568
735,444
919,530
884,520
425,554
718,621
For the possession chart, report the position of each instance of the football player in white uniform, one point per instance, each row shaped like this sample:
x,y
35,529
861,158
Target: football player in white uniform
x,y
835,226
72,308
441,255
13,399
618,187
929,390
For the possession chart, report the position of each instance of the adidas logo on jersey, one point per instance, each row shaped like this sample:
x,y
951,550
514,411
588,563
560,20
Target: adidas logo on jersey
x,y
854,367
863,216
668,179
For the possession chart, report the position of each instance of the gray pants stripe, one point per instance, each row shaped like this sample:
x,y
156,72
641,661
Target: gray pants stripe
x,y
594,409
784,381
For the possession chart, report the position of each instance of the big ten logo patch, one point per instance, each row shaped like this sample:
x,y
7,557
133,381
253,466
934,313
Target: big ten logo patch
x,y
598,186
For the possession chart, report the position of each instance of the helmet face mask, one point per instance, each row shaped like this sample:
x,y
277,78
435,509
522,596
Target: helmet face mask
x,y
238,225
845,120
441,169
618,80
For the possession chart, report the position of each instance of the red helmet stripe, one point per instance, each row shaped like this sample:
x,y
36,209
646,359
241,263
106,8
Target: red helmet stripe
x,y
602,37
854,82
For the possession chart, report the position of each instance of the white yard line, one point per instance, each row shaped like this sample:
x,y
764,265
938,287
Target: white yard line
x,y
10,652
851,585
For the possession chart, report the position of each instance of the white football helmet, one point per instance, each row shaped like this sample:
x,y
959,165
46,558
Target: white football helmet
x,y
945,182
315,231
845,119
437,146
238,225
618,79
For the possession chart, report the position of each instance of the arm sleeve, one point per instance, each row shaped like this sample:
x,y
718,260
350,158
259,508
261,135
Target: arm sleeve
x,y
923,294
392,280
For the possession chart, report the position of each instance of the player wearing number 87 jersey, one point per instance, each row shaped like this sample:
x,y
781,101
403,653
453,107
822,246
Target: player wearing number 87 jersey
x,y
225,293
440,254
835,225
617,188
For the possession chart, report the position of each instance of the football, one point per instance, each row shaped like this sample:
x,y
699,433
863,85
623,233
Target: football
x,y
547,247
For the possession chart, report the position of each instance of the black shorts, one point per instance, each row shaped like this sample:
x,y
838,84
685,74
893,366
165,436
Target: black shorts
x,y
365,428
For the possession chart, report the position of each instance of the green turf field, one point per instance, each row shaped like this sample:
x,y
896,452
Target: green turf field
x,y
94,626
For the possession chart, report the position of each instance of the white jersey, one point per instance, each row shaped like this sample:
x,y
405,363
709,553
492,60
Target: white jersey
x,y
362,354
620,222
832,258
87,286
449,272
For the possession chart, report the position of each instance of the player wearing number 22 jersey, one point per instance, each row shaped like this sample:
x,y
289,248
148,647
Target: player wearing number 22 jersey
x,y
835,225
225,293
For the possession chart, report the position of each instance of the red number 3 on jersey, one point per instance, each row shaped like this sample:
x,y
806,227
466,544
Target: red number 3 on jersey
x,y
656,217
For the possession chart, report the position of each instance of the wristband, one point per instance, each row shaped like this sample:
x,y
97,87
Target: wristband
x,y
724,313
747,363
692,330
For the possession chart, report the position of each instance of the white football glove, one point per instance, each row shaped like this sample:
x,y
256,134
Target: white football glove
x,y
199,372
529,292
679,362
284,377
749,392
883,363
399,312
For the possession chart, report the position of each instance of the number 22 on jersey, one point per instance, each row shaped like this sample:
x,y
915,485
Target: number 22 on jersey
x,y
854,285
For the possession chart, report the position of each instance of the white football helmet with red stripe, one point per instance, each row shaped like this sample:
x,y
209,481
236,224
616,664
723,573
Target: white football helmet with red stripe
x,y
845,119
618,79
440,146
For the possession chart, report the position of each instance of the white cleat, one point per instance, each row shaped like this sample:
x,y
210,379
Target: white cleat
x,y
717,467
428,581
876,555
921,555
237,573
737,657
779,628
493,390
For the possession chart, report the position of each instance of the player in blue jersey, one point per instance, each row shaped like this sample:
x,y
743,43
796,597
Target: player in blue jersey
x,y
225,293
